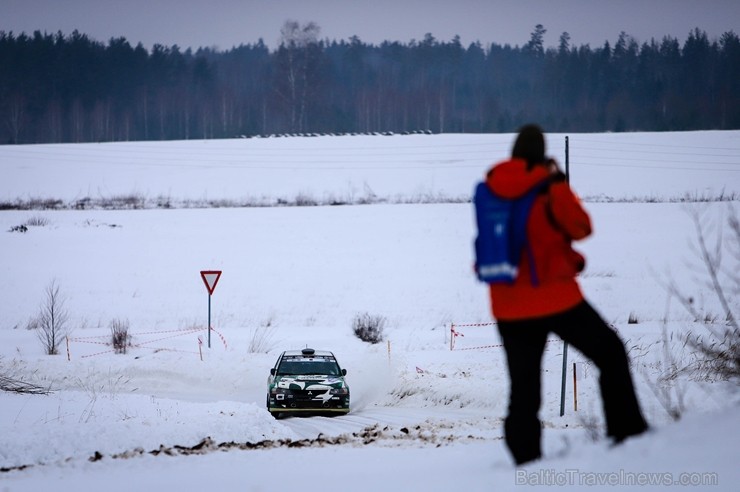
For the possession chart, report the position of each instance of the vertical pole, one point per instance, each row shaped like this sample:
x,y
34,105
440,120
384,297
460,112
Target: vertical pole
x,y
567,160
565,344
575,390
562,384
209,320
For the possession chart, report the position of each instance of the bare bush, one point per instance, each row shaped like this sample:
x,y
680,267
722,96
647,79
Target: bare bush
x,y
37,221
369,328
12,384
303,199
718,349
666,386
132,201
44,204
50,324
120,339
164,201
262,341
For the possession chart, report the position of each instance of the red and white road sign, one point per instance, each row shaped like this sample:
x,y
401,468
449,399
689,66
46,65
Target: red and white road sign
x,y
210,278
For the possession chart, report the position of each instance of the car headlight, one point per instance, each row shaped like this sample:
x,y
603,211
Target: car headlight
x,y
280,394
339,391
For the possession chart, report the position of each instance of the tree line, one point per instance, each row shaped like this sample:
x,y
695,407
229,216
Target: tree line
x,y
71,88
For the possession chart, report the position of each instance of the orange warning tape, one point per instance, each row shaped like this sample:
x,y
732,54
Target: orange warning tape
x,y
220,336
144,344
454,334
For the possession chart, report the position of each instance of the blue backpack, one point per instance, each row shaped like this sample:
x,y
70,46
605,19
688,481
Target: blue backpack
x,y
502,234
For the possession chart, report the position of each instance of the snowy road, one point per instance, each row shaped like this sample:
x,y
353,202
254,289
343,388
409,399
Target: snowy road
x,y
433,424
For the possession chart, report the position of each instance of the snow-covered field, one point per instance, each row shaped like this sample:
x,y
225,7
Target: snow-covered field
x,y
424,417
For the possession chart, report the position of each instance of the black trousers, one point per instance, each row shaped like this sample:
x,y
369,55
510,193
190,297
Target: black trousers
x,y
583,328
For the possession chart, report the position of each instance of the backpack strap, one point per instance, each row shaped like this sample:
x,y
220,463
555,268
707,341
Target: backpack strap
x,y
542,188
533,278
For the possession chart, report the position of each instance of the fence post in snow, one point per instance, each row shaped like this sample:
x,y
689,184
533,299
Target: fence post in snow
x,y
575,387
567,160
565,344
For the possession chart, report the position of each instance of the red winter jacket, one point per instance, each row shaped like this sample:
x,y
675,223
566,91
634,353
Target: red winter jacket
x,y
557,218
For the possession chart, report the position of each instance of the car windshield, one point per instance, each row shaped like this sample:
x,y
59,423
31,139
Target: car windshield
x,y
308,367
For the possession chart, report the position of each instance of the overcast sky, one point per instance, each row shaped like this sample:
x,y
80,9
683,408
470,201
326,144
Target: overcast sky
x,y
227,23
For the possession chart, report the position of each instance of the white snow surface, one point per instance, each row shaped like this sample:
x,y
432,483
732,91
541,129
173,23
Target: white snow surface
x,y
172,414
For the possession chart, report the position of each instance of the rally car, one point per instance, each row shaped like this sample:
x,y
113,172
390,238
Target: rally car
x,y
307,381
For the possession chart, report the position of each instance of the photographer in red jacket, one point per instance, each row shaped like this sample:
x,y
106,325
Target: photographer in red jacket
x,y
526,312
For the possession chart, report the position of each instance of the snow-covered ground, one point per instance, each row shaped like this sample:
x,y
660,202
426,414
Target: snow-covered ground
x,y
424,417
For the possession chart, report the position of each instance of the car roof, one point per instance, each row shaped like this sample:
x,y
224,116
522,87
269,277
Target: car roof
x,y
300,353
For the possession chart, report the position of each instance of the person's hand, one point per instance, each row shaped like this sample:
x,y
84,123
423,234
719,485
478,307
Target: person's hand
x,y
555,173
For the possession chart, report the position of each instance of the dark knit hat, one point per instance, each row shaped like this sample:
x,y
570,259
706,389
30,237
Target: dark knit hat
x,y
530,145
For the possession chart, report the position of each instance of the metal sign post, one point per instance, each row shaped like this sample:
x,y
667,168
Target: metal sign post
x,y
210,278
562,384
565,344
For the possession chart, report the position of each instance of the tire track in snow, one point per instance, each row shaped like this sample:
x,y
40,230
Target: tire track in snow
x,y
425,434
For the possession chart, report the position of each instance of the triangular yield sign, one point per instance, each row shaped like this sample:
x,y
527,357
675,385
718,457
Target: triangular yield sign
x,y
210,278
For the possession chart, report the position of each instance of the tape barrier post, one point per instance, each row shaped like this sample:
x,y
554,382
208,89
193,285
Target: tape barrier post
x,y
575,387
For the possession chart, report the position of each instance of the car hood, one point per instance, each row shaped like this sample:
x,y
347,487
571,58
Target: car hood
x,y
314,382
